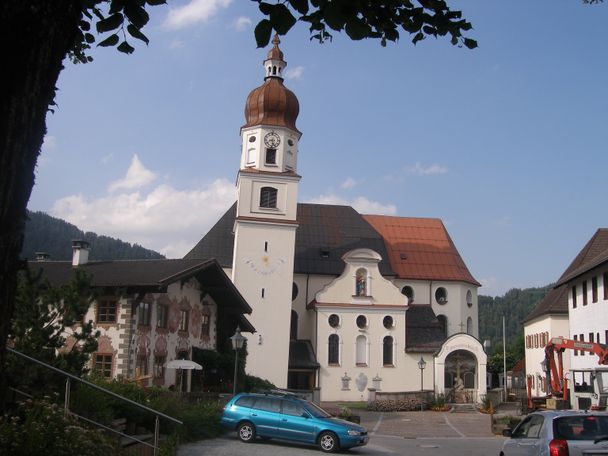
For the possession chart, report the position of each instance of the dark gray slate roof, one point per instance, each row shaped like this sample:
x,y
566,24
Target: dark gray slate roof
x,y
325,233
554,302
302,355
423,331
154,276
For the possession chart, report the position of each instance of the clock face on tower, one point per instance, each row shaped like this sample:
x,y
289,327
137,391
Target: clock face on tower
x,y
272,140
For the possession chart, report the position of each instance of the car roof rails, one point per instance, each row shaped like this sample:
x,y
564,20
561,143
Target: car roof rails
x,y
279,392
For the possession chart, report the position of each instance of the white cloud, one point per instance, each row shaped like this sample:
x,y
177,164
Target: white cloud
x,y
194,12
426,170
242,23
177,44
137,176
165,219
294,73
360,204
349,183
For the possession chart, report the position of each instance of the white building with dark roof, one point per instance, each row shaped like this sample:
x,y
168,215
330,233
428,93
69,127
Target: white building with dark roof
x,y
345,302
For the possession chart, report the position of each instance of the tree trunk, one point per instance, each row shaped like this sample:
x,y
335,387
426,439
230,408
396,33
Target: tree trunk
x,y
35,37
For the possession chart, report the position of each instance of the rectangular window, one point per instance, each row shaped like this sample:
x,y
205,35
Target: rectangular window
x,y
159,366
574,297
268,197
271,156
144,314
594,289
606,336
107,310
585,293
591,337
205,320
605,285
183,321
575,337
581,338
103,365
163,314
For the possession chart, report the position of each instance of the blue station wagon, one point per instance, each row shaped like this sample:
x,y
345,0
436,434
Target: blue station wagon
x,y
286,417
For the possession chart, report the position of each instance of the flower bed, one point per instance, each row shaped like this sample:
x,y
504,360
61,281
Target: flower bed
x,y
395,405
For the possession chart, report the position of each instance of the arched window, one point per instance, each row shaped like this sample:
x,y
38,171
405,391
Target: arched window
x,y
387,351
441,295
268,197
333,352
361,282
470,326
443,321
293,334
361,358
409,293
469,298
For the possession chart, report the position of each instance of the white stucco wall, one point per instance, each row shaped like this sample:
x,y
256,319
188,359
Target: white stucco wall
x,y
590,318
554,326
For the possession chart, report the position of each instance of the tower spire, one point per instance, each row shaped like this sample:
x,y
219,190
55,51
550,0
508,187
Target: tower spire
x,y
274,63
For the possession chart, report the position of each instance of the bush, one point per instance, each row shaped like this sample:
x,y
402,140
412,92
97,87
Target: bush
x,y
42,428
201,421
439,404
392,405
257,384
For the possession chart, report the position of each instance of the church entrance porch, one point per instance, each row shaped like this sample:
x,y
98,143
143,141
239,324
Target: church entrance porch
x,y
460,370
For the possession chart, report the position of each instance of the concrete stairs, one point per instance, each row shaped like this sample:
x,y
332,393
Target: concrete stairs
x,y
463,408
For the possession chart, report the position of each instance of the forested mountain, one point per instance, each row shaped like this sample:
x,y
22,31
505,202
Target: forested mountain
x,y
515,305
54,236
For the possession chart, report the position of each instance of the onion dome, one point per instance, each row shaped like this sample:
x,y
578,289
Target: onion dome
x,y
272,103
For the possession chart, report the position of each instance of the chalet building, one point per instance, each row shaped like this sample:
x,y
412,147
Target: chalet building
x,y
341,301
150,312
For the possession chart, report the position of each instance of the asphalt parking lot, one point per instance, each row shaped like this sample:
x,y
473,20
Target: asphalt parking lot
x,y
411,433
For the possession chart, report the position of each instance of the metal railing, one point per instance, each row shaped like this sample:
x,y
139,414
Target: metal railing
x,y
67,411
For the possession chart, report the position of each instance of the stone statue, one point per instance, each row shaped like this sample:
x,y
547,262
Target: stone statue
x,y
460,396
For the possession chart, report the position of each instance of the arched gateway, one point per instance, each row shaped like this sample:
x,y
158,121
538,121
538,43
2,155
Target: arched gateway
x,y
460,369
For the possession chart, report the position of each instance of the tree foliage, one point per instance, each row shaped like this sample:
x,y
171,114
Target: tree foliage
x,y
54,236
45,318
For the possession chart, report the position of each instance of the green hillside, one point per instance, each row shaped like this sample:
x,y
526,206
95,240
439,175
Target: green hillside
x,y
54,236
515,305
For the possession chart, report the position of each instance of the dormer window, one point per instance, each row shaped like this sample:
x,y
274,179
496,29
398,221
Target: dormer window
x,y
271,156
361,282
268,197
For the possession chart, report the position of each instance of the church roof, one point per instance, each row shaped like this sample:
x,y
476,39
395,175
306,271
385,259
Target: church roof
x,y
594,254
325,233
421,248
154,276
423,330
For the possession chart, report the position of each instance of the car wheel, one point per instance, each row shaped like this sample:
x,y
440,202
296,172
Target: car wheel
x,y
246,432
328,442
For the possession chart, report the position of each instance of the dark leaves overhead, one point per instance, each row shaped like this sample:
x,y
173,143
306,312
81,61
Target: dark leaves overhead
x,y
360,19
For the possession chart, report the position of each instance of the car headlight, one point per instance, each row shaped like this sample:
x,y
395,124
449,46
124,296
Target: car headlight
x,y
353,432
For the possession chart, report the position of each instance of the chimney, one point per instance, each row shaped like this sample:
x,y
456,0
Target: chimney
x,y
42,256
80,252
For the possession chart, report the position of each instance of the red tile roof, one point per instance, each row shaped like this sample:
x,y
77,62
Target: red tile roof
x,y
420,248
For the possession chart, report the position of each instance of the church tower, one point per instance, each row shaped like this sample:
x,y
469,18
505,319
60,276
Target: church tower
x,y
265,226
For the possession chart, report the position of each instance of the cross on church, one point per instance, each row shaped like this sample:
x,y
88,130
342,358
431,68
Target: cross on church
x,y
462,325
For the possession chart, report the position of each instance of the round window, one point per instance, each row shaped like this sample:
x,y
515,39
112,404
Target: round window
x,y
252,139
333,320
388,322
290,142
409,292
441,295
361,321
469,298
294,291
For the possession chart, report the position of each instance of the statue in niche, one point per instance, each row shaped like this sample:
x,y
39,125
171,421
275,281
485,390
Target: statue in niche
x,y
460,395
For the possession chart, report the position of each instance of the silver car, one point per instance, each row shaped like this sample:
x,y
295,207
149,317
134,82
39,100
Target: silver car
x,y
558,433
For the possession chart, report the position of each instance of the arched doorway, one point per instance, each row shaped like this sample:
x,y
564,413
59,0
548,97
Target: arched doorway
x,y
460,376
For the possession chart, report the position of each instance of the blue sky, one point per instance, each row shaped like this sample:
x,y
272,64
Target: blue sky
x,y
505,143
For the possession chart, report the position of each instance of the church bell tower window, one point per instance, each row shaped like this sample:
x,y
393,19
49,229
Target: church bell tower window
x,y
271,156
268,197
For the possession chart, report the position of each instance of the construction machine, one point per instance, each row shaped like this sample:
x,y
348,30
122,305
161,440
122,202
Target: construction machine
x,y
584,389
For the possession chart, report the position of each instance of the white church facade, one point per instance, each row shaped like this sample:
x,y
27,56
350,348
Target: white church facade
x,y
340,301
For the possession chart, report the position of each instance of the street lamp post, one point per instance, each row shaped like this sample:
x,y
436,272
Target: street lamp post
x,y
421,366
237,343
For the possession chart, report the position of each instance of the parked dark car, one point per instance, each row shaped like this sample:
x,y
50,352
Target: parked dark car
x,y
286,417
558,433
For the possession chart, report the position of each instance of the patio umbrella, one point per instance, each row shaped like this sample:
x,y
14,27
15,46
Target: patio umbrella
x,y
183,364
